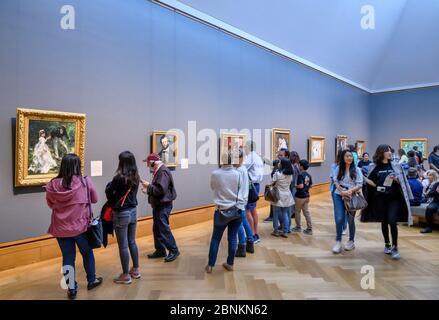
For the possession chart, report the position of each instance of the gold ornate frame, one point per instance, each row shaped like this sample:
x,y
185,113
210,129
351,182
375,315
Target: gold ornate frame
x,y
22,178
156,133
423,140
360,154
274,132
315,138
228,135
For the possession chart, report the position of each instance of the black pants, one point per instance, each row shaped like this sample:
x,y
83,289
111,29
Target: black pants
x,y
389,208
429,213
163,238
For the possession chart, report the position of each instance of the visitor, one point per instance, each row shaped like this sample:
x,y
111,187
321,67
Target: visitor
x,y
334,170
365,163
416,187
431,177
353,150
301,199
282,178
418,154
161,194
388,198
433,159
403,159
255,167
122,194
226,185
348,179
412,162
245,233
432,208
70,196
295,159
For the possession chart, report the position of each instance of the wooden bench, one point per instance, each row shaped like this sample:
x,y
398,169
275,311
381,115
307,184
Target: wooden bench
x,y
418,214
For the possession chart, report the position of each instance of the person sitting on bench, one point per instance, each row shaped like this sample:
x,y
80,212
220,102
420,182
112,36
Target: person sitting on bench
x,y
432,208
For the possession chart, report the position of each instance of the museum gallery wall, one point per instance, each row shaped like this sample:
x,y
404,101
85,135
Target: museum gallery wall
x,y
134,68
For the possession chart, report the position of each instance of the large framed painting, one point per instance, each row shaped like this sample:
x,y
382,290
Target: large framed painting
x,y
360,145
341,143
421,143
42,139
316,149
231,142
280,139
165,144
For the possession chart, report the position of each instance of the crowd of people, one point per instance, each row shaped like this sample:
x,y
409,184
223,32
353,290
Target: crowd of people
x,y
391,184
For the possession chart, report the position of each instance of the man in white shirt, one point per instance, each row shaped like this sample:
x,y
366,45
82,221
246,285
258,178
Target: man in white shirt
x,y
255,167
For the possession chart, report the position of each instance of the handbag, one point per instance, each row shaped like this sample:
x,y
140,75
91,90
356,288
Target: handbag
x,y
108,210
355,203
226,216
253,196
94,232
271,193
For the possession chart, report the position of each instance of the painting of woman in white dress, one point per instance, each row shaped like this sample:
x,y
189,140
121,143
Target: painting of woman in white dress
x,y
42,160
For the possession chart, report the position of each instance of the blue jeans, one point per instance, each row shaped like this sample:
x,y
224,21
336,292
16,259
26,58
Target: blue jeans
x,y
245,232
163,237
217,234
280,218
68,250
340,216
125,224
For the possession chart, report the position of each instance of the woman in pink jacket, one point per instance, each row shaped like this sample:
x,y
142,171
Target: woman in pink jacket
x,y
67,197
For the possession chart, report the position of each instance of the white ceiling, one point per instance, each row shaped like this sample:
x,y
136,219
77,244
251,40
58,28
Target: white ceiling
x,y
401,52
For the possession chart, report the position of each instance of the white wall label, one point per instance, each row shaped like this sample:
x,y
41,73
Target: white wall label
x,y
184,163
96,168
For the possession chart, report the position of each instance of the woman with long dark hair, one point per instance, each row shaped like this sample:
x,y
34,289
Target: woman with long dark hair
x,y
347,180
69,196
122,194
388,196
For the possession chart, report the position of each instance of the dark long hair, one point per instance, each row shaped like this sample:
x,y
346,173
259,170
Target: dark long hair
x,y
294,157
378,157
127,169
342,166
70,167
286,167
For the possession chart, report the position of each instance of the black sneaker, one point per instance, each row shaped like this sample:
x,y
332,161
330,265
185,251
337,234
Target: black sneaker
x,y
95,284
172,256
157,255
241,251
72,293
250,248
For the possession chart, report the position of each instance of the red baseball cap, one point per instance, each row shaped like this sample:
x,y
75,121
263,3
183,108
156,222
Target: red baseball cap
x,y
152,157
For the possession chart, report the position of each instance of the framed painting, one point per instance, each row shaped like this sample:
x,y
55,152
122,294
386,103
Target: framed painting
x,y
280,139
231,142
316,149
165,144
341,143
42,139
421,143
360,145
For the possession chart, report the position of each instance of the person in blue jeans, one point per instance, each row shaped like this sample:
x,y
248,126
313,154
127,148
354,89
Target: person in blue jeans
x,y
121,193
347,179
245,233
228,195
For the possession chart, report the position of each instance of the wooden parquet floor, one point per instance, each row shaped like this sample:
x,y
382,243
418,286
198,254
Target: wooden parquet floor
x,y
300,267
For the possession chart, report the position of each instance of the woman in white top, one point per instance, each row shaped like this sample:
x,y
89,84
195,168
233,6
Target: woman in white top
x,y
281,209
403,159
42,160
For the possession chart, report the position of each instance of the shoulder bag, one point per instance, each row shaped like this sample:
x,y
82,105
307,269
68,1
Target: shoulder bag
x,y
94,231
253,196
355,203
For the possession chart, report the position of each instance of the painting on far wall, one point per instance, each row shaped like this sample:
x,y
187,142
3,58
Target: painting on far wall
x,y
316,149
165,144
361,148
421,143
341,143
43,138
280,139
231,142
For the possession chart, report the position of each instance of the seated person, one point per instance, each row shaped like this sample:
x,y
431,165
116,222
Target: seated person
x,y
432,208
430,178
416,186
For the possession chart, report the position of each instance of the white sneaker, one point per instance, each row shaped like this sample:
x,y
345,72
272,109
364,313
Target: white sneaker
x,y
345,232
350,245
337,248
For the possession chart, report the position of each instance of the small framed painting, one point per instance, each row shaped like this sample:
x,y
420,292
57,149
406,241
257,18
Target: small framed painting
x,y
280,139
231,142
341,143
43,138
165,144
316,149
360,145
421,143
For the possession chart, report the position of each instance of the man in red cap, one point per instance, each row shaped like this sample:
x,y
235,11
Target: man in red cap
x,y
161,193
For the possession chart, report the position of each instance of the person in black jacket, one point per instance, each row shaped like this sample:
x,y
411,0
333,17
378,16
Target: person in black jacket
x,y
122,194
432,208
161,194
